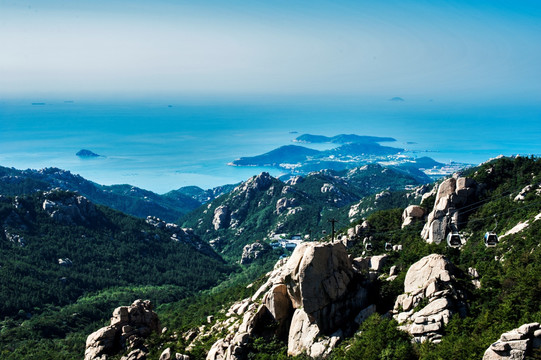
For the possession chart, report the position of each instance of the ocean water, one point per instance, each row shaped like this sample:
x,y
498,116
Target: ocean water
x,y
163,144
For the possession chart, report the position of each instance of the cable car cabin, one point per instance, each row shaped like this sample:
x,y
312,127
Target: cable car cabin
x,y
454,240
491,239
368,246
388,246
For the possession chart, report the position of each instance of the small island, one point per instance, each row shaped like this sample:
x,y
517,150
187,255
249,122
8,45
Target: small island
x,y
84,153
351,151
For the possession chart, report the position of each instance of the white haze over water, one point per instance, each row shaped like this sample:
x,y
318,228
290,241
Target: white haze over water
x,y
457,48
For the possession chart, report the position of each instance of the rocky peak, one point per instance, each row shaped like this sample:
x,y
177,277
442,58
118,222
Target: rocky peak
x,y
452,194
284,204
259,182
431,296
251,252
313,296
130,325
295,180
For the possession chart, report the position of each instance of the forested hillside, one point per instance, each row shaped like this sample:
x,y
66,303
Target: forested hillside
x,y
126,198
263,205
501,293
66,264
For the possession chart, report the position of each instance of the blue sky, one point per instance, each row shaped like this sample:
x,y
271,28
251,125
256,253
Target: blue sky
x,y
489,49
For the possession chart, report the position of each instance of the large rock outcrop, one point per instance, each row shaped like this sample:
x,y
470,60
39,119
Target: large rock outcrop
x,y
412,213
69,210
431,296
452,195
312,298
517,344
129,326
251,252
222,217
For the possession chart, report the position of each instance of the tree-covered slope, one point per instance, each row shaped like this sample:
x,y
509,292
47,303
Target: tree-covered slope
x,y
263,205
505,295
125,198
57,246
198,194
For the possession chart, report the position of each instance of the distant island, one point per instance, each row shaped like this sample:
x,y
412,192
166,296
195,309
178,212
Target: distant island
x,y
341,139
84,153
396,98
353,151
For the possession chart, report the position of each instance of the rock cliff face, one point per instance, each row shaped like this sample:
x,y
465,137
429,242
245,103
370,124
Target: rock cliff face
x,y
431,296
521,343
222,218
312,298
452,195
129,326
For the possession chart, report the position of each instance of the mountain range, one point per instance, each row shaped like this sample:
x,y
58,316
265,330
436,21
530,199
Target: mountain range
x,y
67,263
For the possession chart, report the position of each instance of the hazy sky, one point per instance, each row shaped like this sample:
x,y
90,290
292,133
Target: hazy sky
x,y
408,48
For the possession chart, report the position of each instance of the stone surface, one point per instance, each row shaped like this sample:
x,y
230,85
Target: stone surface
x,y
452,194
412,213
515,344
423,272
136,354
252,252
222,217
167,354
302,333
365,314
429,282
312,296
128,326
278,303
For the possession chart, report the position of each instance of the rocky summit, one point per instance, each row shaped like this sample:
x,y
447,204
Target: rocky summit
x,y
312,298
453,194
431,296
130,325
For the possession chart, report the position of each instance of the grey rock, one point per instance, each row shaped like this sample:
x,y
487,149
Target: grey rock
x,y
129,325
512,335
222,217
528,328
252,252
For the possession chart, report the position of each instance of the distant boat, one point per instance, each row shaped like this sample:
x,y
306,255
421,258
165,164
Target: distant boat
x,y
38,103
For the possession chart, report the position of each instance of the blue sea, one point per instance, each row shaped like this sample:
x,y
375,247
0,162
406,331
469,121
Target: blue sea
x,y
161,144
